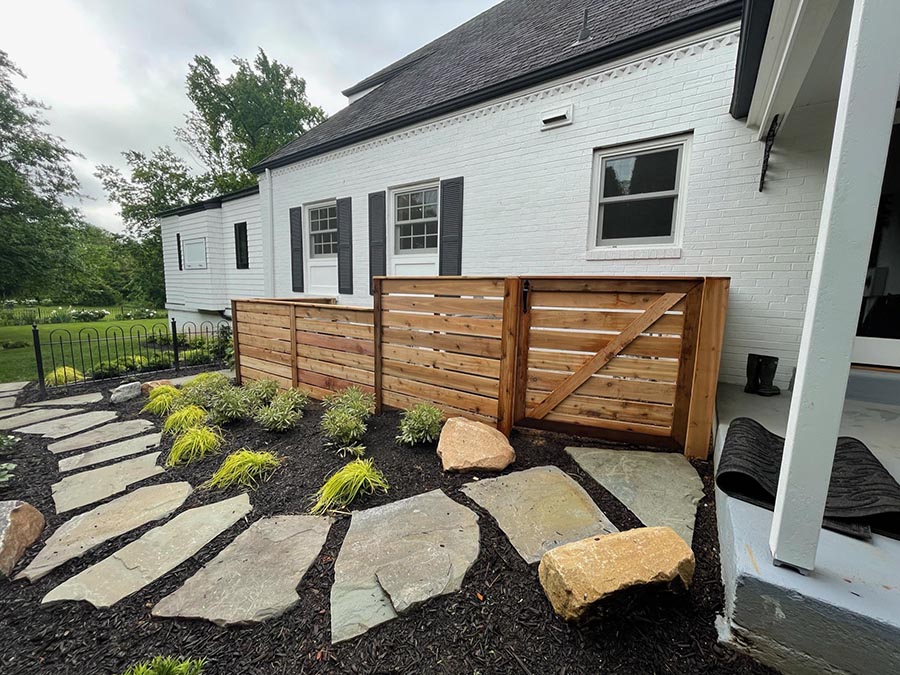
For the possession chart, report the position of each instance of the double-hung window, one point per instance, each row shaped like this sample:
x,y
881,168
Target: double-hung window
x,y
638,193
416,220
323,239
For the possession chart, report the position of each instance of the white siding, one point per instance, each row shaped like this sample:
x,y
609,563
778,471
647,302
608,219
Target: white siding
x,y
527,192
249,282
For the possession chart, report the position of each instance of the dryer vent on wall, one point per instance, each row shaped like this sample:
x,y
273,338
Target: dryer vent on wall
x,y
559,117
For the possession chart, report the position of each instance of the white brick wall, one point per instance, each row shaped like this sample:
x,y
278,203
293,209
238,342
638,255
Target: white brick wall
x,y
527,192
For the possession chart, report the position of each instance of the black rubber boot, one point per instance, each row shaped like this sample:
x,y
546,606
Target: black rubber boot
x,y
767,367
752,386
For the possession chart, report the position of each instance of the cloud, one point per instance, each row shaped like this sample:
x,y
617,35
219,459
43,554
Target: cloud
x,y
113,72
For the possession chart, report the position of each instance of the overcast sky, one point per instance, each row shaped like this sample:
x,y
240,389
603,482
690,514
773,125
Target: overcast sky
x,y
113,70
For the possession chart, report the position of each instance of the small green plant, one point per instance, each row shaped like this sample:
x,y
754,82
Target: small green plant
x,y
343,486
195,357
260,392
161,404
167,665
134,362
357,450
279,415
6,469
354,400
231,405
343,426
245,467
184,418
420,424
163,390
204,389
295,399
63,375
106,369
193,444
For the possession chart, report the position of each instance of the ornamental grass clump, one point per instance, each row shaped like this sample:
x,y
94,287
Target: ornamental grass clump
x,y
163,390
260,392
167,665
163,400
231,405
63,375
193,444
420,424
184,418
245,467
357,477
343,426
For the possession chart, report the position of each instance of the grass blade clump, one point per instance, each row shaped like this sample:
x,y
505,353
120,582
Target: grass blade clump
x,y
167,665
231,405
343,426
63,375
357,450
420,424
357,477
183,419
246,468
163,390
162,403
193,444
260,392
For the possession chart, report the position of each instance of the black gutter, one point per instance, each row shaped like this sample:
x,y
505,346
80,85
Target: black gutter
x,y
211,203
673,31
754,29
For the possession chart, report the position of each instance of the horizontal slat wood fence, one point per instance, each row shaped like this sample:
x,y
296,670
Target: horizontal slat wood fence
x,y
632,358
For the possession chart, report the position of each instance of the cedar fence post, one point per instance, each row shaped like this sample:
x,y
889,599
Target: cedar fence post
x,y
295,377
237,344
376,319
508,391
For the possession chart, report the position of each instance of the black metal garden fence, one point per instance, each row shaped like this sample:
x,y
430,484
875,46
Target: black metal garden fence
x,y
65,357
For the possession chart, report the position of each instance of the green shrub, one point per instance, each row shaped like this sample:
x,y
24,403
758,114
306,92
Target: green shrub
x,y
260,392
14,344
184,418
420,424
195,357
204,390
231,405
295,399
245,467
357,477
279,415
352,399
6,468
134,362
106,369
192,444
63,375
343,426
160,360
167,665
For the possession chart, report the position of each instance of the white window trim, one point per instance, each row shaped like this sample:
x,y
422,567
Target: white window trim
x,y
184,248
309,208
425,254
646,247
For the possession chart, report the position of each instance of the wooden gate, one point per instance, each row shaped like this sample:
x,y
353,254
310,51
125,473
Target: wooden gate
x,y
630,358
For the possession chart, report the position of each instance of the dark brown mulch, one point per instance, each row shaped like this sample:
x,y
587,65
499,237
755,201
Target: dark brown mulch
x,y
500,622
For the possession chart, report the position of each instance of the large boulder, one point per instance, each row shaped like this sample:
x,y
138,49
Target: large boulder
x,y
147,387
125,392
577,576
20,526
467,445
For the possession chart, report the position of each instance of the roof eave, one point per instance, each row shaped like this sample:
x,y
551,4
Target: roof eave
x,y
209,204
754,28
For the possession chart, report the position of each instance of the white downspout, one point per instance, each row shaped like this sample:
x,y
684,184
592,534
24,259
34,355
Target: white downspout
x,y
270,277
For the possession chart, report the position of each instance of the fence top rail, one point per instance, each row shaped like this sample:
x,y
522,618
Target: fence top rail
x,y
575,277
302,303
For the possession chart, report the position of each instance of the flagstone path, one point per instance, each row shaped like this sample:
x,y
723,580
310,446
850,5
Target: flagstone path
x,y
396,556
91,486
157,552
255,577
31,416
130,446
14,411
12,387
79,535
7,402
66,426
539,509
79,399
104,434
660,488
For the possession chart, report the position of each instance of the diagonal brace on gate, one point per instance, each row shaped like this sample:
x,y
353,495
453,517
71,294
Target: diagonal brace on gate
x,y
641,323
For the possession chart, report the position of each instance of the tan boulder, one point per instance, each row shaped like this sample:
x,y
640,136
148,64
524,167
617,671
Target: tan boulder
x,y
467,445
147,387
578,575
20,526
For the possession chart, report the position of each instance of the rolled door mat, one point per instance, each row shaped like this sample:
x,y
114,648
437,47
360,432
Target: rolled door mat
x,y
862,496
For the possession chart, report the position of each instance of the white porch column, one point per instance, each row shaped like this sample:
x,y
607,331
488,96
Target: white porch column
x,y
865,112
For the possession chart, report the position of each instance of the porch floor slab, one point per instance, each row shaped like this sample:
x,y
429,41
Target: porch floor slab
x,y
845,615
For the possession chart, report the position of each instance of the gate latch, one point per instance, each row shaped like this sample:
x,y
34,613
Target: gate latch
x,y
526,289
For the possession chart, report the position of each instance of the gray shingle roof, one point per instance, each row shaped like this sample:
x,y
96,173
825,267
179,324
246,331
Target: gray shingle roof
x,y
515,44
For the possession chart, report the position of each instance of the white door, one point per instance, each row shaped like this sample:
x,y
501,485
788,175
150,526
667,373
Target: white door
x,y
878,330
413,232
321,249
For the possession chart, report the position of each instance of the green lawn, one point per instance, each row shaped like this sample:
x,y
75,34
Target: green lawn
x,y
18,364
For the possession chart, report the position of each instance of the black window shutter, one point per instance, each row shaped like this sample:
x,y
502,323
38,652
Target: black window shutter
x,y
377,238
297,249
345,245
451,227
241,254
180,257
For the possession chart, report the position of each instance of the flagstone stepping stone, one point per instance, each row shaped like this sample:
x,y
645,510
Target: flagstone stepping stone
x,y
539,509
396,556
20,526
12,387
9,412
255,577
80,534
7,402
31,416
156,553
108,432
80,399
67,426
131,446
91,486
660,488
